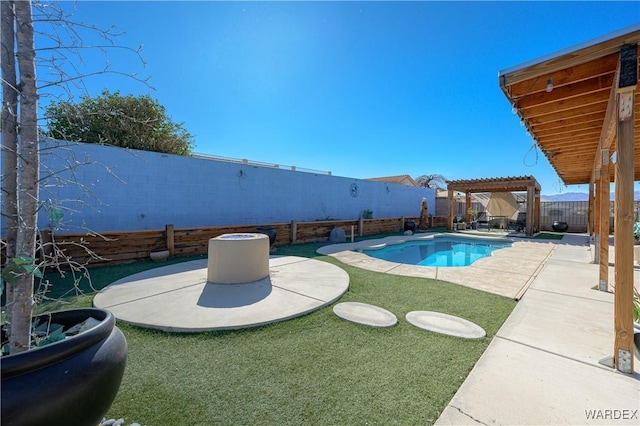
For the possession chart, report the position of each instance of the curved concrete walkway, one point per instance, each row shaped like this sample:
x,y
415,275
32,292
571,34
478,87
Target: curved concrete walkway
x,y
178,298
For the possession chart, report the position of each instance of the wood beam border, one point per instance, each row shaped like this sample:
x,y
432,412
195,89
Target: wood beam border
x,y
623,350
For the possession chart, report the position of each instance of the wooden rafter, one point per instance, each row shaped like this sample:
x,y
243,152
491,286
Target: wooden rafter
x,y
508,184
578,123
568,122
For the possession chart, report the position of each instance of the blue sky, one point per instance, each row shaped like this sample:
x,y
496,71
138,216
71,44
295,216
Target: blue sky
x,y
361,89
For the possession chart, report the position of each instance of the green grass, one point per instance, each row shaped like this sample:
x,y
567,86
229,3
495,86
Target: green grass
x,y
316,369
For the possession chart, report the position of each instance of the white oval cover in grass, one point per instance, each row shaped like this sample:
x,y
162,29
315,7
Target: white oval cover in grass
x,y
363,313
445,324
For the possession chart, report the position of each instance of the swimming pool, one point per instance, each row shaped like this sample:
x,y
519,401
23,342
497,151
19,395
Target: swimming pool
x,y
439,251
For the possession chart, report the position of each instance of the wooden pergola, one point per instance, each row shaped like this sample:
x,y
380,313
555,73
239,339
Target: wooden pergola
x,y
579,106
508,184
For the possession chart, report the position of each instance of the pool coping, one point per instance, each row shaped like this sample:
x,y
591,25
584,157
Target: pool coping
x,y
507,271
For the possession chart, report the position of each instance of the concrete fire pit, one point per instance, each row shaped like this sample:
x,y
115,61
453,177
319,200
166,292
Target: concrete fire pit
x,y
238,258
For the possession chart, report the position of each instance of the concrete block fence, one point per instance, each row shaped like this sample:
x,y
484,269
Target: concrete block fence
x,y
101,189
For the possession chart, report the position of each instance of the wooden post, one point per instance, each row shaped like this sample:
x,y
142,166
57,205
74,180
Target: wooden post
x,y
169,239
360,226
590,210
294,231
450,218
530,209
623,353
467,206
604,194
595,226
536,212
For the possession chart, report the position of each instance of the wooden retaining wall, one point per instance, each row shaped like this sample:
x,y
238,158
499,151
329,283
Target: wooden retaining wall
x,y
131,246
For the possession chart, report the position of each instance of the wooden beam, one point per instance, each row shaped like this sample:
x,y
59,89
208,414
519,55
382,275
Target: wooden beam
x,y
467,206
591,211
584,136
596,219
534,79
489,187
607,132
567,104
450,202
536,212
570,91
593,125
530,210
568,114
623,297
170,239
604,205
564,123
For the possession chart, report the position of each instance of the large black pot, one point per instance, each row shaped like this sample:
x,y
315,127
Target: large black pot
x,y
560,226
268,230
409,225
70,382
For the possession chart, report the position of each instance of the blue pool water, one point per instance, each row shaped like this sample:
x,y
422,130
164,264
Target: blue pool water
x,y
444,251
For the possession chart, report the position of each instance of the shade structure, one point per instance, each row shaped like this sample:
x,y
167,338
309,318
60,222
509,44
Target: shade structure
x,y
579,106
564,102
503,204
501,185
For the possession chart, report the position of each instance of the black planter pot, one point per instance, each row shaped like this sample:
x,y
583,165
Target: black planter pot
x,y
268,230
70,382
560,226
409,225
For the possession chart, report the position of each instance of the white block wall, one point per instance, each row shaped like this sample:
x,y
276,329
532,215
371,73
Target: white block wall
x,y
120,189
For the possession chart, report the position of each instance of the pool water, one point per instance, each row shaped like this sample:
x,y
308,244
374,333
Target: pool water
x,y
445,251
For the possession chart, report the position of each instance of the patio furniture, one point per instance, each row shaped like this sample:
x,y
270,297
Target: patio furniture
x,y
482,221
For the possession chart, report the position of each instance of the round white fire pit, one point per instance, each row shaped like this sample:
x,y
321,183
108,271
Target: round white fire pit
x,y
238,258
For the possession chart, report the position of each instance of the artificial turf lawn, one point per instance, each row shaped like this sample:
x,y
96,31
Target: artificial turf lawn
x,y
315,369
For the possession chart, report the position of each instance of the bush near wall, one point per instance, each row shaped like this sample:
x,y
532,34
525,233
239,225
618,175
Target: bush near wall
x,y
131,246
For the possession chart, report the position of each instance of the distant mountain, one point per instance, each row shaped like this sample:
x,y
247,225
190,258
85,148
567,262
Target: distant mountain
x,y
567,196
578,196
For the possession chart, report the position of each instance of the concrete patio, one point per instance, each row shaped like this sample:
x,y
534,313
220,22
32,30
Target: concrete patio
x,y
542,366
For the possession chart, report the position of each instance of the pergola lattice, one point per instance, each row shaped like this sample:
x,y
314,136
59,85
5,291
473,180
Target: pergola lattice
x,y
508,184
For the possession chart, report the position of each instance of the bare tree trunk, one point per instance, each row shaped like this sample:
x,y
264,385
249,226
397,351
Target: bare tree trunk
x,y
9,145
28,177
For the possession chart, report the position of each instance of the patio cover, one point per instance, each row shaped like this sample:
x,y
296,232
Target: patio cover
x,y
500,185
579,106
568,122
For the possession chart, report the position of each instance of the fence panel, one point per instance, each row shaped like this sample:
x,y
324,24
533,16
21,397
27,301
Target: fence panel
x,y
130,246
574,213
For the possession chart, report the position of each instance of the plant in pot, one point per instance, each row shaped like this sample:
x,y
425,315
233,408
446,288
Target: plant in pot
x,y
62,367
473,213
